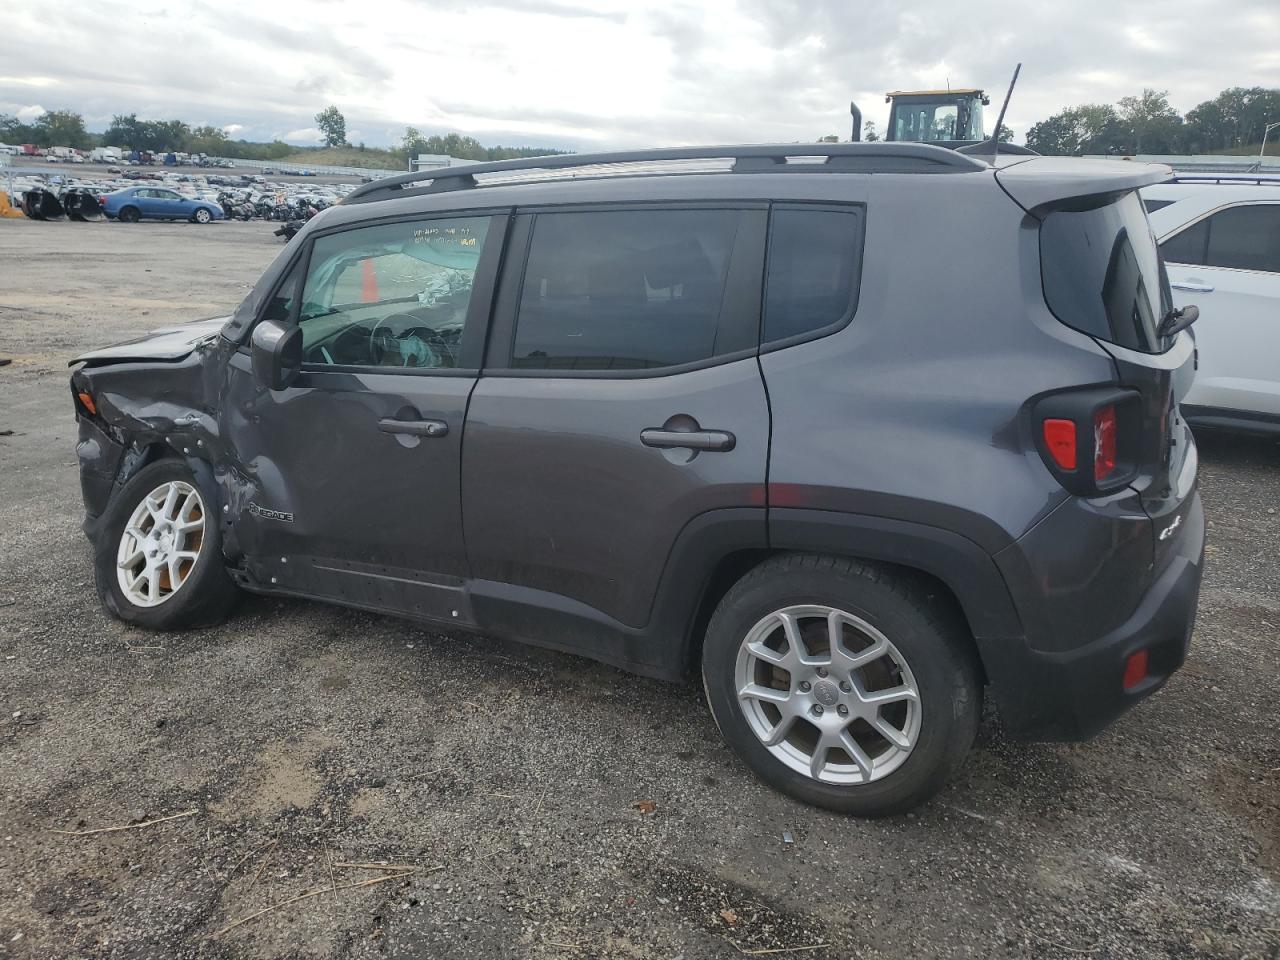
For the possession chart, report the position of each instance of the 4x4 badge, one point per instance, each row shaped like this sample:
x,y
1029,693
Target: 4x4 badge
x,y
266,514
1167,532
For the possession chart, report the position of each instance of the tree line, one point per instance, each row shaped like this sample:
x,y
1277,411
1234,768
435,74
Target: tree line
x,y
66,128
1234,120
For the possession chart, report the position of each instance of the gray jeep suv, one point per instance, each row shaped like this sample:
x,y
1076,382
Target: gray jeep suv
x,y
859,433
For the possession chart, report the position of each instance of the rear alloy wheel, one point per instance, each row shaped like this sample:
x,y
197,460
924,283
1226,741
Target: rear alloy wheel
x,y
828,694
129,215
843,684
201,215
158,551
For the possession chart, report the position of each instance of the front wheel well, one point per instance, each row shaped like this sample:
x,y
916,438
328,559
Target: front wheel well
x,y
734,566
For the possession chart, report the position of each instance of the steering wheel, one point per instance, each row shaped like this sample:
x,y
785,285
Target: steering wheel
x,y
399,328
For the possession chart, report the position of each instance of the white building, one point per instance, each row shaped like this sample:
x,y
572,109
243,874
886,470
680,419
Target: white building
x,y
434,161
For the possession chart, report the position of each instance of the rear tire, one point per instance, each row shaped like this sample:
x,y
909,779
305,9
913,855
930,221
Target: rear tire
x,y
916,659
194,589
129,215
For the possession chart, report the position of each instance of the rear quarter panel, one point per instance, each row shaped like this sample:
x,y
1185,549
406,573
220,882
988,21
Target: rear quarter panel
x,y
913,410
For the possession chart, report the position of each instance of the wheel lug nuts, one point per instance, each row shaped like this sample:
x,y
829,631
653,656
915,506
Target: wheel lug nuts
x,y
817,709
842,710
822,671
845,686
804,686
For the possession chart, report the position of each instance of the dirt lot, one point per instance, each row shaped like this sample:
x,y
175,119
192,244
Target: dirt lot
x,y
303,736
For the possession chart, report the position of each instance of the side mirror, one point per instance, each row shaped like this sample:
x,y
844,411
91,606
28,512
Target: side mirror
x,y
277,354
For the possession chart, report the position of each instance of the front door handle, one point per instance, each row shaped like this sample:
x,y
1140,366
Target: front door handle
x,y
414,428
720,440
1191,286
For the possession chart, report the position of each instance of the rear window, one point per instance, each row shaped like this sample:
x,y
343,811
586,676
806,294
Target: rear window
x,y
814,255
1103,275
625,290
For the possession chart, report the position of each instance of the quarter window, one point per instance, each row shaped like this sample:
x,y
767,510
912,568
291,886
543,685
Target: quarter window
x,y
1240,238
624,289
391,295
813,272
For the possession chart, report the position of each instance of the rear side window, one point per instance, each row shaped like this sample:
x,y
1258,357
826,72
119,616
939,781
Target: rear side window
x,y
1102,273
814,265
624,289
1240,238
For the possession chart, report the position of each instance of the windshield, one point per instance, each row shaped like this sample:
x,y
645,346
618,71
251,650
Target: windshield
x,y
1103,274
932,120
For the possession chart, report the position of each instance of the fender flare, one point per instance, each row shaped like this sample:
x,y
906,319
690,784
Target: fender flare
x,y
962,565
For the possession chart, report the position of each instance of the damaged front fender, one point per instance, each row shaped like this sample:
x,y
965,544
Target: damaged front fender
x,y
133,413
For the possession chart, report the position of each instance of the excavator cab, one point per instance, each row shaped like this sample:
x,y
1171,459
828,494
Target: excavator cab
x,y
936,116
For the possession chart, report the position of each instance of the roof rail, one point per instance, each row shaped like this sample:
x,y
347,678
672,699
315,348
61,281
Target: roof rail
x,y
1261,180
839,158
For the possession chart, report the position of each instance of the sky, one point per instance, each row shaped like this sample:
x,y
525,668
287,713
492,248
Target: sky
x,y
597,74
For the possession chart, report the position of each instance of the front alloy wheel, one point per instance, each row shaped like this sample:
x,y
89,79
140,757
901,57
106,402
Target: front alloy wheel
x,y
828,694
160,544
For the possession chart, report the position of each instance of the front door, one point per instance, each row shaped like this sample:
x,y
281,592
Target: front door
x,y
355,467
622,398
1228,265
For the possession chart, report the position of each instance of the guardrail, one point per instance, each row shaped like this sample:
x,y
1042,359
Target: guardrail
x,y
316,168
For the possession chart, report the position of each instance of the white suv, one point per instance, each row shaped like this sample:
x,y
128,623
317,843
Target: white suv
x,y
1220,237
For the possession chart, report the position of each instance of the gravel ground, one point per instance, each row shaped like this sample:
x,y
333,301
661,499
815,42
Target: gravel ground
x,y
303,736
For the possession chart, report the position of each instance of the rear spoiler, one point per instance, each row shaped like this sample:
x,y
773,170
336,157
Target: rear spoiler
x,y
1053,181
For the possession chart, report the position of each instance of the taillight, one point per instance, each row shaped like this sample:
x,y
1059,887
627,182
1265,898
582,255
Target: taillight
x,y
102,200
86,401
1064,423
1060,438
1104,443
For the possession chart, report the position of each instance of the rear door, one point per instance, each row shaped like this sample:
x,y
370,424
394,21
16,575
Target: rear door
x,y
1228,264
621,398
146,202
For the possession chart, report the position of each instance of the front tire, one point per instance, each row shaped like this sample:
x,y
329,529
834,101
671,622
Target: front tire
x,y
158,555
202,216
841,684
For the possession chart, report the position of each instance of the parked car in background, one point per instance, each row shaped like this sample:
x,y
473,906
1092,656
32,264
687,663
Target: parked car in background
x,y
734,425
157,203
1220,237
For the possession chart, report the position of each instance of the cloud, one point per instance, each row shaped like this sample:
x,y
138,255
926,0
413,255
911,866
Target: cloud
x,y
603,73
232,129
307,135
33,112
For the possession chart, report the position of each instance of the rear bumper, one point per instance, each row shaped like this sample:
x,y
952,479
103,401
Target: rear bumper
x,y
1073,694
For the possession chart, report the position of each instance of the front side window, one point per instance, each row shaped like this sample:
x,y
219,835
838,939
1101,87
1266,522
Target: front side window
x,y
624,289
1103,275
391,295
814,266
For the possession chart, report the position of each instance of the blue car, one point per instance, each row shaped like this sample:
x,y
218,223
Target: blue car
x,y
156,203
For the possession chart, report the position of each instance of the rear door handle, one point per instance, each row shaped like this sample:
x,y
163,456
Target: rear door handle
x,y
720,440
1191,286
414,428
